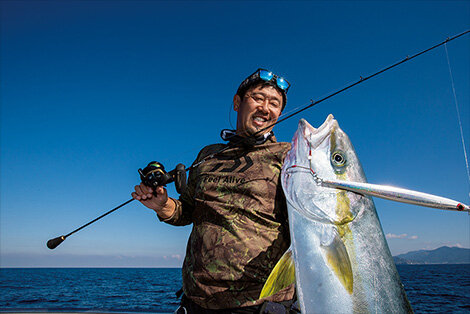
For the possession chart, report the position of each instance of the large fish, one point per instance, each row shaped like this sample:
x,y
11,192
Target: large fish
x,y
342,260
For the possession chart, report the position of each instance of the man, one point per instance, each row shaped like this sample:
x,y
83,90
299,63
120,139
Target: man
x,y
236,205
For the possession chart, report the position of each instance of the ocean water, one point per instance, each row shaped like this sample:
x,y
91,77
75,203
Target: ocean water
x,y
430,289
437,288
90,289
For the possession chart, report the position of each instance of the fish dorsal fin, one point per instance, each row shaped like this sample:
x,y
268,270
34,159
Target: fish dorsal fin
x,y
282,275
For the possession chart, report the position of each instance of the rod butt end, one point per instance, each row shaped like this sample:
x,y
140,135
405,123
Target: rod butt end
x,y
53,243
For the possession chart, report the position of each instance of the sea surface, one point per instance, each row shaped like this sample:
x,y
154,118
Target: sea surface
x,y
430,289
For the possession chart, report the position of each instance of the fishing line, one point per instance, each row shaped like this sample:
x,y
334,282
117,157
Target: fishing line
x,y
458,114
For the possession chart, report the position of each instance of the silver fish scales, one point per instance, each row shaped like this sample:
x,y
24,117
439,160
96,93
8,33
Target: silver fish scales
x,y
342,260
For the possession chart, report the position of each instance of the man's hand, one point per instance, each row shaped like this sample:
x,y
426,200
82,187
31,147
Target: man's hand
x,y
158,201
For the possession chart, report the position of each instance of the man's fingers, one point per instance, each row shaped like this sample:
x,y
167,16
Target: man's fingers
x,y
142,192
146,189
138,190
135,196
145,193
155,199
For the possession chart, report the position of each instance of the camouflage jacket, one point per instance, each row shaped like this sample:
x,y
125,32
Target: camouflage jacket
x,y
239,215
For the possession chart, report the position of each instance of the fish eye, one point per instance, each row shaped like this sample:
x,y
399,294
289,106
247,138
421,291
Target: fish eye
x,y
338,159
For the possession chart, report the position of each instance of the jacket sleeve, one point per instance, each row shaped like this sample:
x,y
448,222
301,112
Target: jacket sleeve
x,y
182,215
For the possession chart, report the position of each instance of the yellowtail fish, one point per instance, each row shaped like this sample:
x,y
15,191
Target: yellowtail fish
x,y
342,260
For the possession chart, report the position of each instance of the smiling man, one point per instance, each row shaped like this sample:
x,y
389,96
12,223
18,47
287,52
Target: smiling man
x,y
258,106
236,205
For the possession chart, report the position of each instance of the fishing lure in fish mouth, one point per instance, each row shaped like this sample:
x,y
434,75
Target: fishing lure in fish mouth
x,y
338,161
390,193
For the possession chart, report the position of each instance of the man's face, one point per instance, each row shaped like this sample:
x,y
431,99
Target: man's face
x,y
261,107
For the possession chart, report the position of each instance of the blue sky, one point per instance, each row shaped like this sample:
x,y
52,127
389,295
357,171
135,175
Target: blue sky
x,y
93,90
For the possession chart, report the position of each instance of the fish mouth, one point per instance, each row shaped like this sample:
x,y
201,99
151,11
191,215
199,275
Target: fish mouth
x,y
316,135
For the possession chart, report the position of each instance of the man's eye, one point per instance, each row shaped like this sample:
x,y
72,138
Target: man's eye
x,y
259,98
275,104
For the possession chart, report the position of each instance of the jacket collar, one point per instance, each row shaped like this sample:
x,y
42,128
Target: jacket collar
x,y
234,139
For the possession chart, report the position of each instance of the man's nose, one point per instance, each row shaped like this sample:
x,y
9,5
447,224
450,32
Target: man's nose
x,y
264,106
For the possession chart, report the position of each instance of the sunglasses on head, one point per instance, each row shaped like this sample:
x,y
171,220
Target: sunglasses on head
x,y
267,76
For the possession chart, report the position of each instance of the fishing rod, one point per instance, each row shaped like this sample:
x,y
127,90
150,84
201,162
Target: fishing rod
x,y
53,243
155,175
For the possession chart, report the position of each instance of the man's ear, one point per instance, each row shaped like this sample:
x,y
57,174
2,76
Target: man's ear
x,y
236,102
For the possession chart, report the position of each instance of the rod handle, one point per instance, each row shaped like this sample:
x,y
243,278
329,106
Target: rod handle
x,y
53,243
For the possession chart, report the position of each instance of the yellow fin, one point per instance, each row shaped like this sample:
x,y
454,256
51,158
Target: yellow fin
x,y
282,275
338,259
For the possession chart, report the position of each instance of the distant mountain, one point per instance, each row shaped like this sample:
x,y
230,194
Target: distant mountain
x,y
442,255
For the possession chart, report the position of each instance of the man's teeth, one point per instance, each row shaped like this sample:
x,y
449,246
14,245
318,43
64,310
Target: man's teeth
x,y
260,119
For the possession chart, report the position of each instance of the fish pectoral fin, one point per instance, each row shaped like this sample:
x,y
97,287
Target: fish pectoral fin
x,y
337,258
282,275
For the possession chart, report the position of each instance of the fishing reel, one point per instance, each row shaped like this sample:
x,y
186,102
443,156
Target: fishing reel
x,y
155,175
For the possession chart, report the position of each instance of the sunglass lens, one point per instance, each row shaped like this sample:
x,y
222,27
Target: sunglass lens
x,y
282,83
265,75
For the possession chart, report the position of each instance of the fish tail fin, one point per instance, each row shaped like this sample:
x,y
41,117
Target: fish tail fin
x,y
282,275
